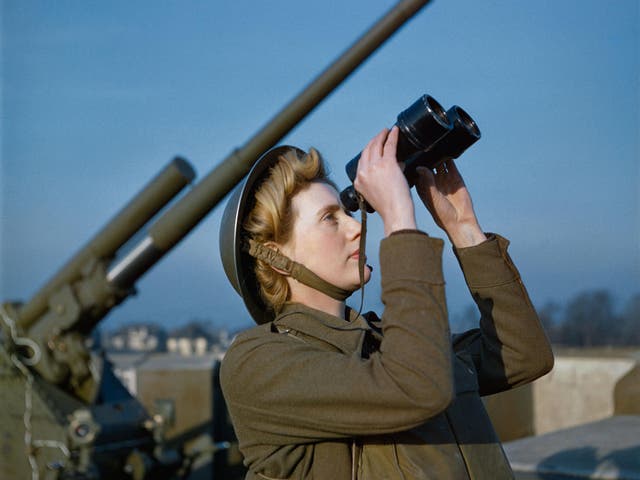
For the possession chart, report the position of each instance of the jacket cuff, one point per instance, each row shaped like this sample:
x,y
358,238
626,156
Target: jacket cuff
x,y
487,264
408,230
411,255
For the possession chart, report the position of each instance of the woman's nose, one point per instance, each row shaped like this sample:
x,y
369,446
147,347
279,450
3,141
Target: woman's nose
x,y
353,227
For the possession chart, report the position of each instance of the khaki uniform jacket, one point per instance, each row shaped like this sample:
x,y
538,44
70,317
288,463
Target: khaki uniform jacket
x,y
313,396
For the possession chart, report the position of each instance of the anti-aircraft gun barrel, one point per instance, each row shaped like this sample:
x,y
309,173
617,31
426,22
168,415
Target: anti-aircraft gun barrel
x,y
160,191
180,219
91,284
93,411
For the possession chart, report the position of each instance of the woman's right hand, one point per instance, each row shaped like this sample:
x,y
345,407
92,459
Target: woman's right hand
x,y
381,182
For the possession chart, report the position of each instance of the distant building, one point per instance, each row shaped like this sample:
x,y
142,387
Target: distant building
x,y
137,338
191,339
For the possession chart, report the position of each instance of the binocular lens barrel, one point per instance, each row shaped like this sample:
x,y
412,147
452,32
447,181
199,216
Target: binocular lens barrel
x,y
428,135
420,126
465,132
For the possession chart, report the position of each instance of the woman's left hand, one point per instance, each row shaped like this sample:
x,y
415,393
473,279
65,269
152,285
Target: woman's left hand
x,y
446,197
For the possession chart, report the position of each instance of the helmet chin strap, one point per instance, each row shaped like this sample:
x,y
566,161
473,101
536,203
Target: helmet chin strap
x,y
295,270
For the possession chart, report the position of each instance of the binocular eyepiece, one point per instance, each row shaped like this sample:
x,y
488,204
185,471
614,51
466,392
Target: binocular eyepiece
x,y
428,135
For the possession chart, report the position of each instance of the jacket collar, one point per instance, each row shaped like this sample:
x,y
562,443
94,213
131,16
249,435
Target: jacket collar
x,y
345,335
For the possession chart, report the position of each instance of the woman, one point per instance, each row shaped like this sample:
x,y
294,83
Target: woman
x,y
318,391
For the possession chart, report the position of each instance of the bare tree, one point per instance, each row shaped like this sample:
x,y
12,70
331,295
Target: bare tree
x,y
630,321
590,320
549,315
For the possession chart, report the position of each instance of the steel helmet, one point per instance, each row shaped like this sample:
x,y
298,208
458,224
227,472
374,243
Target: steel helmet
x,y
238,264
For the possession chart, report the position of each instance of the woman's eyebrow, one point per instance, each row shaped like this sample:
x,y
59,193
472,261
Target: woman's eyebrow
x,y
330,208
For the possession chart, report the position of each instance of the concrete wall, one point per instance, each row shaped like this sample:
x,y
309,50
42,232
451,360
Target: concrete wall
x,y
191,385
190,390
582,387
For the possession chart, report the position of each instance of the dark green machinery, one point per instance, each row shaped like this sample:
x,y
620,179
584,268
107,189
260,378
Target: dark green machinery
x,y
63,413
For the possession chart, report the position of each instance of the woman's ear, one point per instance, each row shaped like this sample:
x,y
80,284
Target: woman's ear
x,y
276,248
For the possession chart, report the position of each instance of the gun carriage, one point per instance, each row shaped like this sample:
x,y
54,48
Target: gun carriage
x,y
64,413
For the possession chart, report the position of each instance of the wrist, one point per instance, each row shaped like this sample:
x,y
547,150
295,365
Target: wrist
x,y
405,222
466,235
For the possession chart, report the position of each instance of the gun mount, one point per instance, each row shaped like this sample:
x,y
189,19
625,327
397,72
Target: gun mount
x,y
51,384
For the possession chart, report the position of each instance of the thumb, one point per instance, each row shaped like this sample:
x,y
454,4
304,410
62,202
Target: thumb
x,y
426,186
425,180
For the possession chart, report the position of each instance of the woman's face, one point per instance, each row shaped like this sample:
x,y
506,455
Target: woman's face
x,y
325,238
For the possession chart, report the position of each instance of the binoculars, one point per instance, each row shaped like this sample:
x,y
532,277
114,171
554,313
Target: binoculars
x,y
428,135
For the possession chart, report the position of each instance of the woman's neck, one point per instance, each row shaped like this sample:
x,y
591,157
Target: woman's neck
x,y
315,299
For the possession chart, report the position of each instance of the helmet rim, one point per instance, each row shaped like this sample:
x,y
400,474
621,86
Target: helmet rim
x,y
237,263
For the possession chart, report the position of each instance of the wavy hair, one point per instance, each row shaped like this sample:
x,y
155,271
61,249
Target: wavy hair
x,y
271,218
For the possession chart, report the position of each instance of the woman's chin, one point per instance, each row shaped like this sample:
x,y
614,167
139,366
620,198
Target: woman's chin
x,y
367,276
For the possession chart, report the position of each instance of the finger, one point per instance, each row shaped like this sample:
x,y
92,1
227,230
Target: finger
x,y
425,183
425,177
377,145
373,149
426,186
365,154
391,142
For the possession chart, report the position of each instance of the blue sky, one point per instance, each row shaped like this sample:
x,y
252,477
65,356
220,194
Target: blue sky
x,y
98,96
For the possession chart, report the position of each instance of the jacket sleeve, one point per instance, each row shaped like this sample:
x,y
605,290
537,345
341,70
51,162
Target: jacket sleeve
x,y
286,391
510,348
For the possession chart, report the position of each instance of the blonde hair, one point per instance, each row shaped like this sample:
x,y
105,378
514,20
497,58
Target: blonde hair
x,y
271,218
